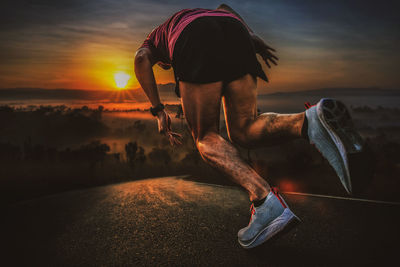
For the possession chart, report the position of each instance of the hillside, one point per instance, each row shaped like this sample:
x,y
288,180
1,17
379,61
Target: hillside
x,y
167,90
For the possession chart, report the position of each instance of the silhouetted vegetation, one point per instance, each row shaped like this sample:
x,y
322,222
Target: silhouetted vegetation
x,y
134,154
51,125
160,155
47,149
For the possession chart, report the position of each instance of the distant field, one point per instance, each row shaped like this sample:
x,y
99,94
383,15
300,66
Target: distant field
x,y
53,148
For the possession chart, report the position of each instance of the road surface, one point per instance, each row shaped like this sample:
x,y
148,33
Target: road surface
x,y
176,222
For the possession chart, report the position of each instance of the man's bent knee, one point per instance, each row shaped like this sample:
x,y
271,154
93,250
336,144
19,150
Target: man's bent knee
x,y
206,142
212,146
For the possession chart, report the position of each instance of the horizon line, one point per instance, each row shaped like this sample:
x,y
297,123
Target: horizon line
x,y
163,84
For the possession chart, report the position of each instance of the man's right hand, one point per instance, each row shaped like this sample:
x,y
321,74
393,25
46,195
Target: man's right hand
x,y
164,127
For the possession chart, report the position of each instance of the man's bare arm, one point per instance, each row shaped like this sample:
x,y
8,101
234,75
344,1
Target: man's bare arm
x,y
144,73
144,62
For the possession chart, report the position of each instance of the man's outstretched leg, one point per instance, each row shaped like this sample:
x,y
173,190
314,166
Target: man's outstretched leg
x,y
327,125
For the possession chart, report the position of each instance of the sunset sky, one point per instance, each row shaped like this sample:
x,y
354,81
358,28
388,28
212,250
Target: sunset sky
x,y
85,44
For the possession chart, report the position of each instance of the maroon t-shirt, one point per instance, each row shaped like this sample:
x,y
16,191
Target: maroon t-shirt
x,y
161,41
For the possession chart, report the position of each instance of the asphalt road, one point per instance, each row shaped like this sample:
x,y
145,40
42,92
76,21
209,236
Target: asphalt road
x,y
172,221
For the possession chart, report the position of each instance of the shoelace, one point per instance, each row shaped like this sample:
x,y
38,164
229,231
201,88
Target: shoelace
x,y
252,211
275,191
308,105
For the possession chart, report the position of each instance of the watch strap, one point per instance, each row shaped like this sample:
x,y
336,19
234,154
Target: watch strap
x,y
156,109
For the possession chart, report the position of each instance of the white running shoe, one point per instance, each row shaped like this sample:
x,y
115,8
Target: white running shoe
x,y
267,220
331,130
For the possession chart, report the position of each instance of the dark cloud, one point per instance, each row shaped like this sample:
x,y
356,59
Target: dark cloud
x,y
353,31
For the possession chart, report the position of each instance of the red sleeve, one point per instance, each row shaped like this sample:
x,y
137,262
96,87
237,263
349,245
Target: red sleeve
x,y
152,42
149,44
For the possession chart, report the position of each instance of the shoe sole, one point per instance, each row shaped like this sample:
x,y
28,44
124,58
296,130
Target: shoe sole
x,y
274,229
336,117
337,124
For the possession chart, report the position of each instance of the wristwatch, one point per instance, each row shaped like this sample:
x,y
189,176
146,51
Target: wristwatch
x,y
156,109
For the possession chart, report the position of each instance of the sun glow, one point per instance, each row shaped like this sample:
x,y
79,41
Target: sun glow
x,y
121,79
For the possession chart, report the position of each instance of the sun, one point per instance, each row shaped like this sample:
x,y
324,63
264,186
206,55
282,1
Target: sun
x,y
121,79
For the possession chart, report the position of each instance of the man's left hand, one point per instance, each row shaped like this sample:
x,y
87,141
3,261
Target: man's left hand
x,y
264,50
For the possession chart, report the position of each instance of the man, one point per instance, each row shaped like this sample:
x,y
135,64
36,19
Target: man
x,y
213,54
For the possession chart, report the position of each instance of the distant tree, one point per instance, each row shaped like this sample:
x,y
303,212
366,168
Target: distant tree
x,y
9,152
134,154
117,156
141,157
6,109
95,115
31,107
131,148
94,152
192,157
62,108
159,155
45,110
139,126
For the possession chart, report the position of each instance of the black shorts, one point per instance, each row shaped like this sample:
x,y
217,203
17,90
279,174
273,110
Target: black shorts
x,y
214,49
